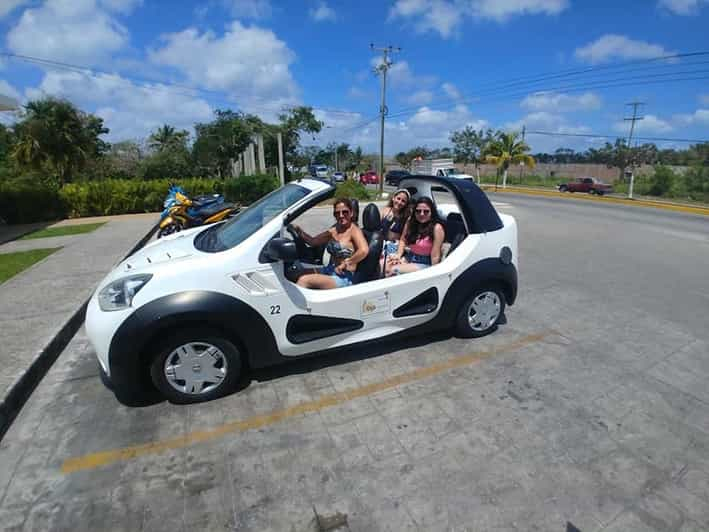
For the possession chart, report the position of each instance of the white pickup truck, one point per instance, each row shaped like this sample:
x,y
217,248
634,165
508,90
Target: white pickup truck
x,y
438,167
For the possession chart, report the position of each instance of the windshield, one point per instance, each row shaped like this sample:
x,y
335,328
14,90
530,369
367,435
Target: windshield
x,y
253,218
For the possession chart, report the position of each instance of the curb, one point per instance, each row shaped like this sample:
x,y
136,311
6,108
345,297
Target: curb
x,y
23,387
587,197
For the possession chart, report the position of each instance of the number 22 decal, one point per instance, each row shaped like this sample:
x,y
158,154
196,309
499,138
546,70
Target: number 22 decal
x,y
275,309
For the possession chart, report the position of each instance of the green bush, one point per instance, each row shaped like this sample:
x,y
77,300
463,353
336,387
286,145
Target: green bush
x,y
26,201
352,189
30,200
247,189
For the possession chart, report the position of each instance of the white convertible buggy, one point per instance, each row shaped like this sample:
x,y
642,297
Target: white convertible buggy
x,y
187,314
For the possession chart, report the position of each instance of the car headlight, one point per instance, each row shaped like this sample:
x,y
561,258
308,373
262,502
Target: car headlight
x,y
119,294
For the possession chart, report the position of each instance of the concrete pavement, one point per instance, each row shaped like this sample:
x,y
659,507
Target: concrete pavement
x,y
42,307
588,410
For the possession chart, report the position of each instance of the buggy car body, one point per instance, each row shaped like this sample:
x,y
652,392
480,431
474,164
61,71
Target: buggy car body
x,y
187,314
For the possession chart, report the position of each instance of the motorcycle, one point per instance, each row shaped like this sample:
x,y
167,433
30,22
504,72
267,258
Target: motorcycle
x,y
186,213
206,200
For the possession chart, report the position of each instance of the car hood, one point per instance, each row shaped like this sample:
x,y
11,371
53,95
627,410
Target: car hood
x,y
174,247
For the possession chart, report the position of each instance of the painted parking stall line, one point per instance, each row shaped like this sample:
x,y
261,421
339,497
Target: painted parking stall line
x,y
103,458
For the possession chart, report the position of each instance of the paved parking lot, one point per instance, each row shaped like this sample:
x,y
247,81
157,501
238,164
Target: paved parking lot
x,y
587,410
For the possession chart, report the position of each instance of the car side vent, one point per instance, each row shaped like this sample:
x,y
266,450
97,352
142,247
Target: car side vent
x,y
255,283
424,303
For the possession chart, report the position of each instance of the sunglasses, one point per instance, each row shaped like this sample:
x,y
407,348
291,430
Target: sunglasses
x,y
423,211
342,213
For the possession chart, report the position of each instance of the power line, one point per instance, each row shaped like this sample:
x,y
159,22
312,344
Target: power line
x,y
619,82
150,84
669,61
598,135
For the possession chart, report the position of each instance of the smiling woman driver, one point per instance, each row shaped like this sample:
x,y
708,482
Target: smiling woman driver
x,y
345,244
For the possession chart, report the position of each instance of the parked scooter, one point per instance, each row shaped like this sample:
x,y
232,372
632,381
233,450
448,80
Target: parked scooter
x,y
199,202
186,213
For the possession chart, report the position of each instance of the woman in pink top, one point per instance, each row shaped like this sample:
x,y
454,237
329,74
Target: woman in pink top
x,y
421,240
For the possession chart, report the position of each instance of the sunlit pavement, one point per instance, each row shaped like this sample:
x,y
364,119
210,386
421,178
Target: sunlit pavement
x,y
589,407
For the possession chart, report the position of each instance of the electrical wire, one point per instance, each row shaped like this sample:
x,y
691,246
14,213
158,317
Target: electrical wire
x,y
596,135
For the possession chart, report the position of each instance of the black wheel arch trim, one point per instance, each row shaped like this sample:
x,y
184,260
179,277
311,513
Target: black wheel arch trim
x,y
239,322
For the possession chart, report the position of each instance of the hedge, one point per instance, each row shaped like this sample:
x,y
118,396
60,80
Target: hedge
x,y
25,201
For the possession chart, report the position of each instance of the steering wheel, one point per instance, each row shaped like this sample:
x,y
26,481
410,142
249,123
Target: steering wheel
x,y
300,244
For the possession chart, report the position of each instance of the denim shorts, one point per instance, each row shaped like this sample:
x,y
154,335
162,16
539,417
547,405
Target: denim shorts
x,y
390,247
341,279
413,258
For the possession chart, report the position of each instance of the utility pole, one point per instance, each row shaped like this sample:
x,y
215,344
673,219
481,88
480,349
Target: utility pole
x,y
632,120
281,166
521,166
382,69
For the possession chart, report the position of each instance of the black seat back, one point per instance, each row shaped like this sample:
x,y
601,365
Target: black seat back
x,y
355,210
455,230
368,268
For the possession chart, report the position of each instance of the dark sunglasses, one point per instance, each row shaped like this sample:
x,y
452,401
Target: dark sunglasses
x,y
342,213
423,211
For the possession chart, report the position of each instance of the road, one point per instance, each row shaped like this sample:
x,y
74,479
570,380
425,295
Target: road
x,y
589,407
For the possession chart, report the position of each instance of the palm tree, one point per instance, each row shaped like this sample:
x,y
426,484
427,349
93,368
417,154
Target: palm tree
x,y
57,135
167,137
506,149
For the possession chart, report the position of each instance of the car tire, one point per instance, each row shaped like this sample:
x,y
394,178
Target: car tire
x,y
563,188
213,366
481,312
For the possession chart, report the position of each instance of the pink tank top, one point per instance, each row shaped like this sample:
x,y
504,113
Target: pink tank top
x,y
422,246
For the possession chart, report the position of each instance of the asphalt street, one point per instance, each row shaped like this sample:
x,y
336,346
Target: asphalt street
x,y
588,408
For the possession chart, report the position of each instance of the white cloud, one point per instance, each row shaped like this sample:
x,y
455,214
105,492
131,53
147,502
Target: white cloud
x,y
427,127
649,124
698,117
7,6
253,9
451,91
611,46
560,102
8,90
74,31
420,97
129,110
123,7
249,63
444,16
357,93
323,13
401,76
682,7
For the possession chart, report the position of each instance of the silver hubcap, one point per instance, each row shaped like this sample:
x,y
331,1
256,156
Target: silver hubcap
x,y
484,311
195,368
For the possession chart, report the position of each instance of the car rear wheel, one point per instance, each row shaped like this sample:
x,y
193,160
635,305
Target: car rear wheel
x,y
481,312
196,365
563,188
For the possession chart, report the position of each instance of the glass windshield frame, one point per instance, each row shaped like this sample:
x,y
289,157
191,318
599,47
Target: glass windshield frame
x,y
253,218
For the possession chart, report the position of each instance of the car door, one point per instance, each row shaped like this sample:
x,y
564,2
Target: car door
x,y
315,320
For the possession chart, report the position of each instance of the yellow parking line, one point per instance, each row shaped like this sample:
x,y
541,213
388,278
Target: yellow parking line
x,y
606,199
102,458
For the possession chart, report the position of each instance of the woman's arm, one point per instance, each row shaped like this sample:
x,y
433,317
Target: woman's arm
x,y
439,235
318,240
361,249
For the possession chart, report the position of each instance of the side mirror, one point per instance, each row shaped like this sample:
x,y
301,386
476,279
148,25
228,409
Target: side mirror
x,y
280,249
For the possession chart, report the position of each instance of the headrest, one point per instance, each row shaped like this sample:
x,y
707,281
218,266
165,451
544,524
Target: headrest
x,y
371,220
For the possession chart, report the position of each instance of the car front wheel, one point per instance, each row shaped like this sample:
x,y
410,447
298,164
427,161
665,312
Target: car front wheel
x,y
195,366
563,188
481,312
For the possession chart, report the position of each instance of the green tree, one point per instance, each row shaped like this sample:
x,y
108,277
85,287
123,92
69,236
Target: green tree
x,y
506,149
292,124
56,136
469,145
167,137
220,142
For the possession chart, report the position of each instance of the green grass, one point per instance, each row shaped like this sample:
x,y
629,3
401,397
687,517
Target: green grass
x,y
13,263
64,230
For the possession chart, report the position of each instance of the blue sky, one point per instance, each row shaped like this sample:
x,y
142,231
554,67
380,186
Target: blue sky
x,y
463,62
